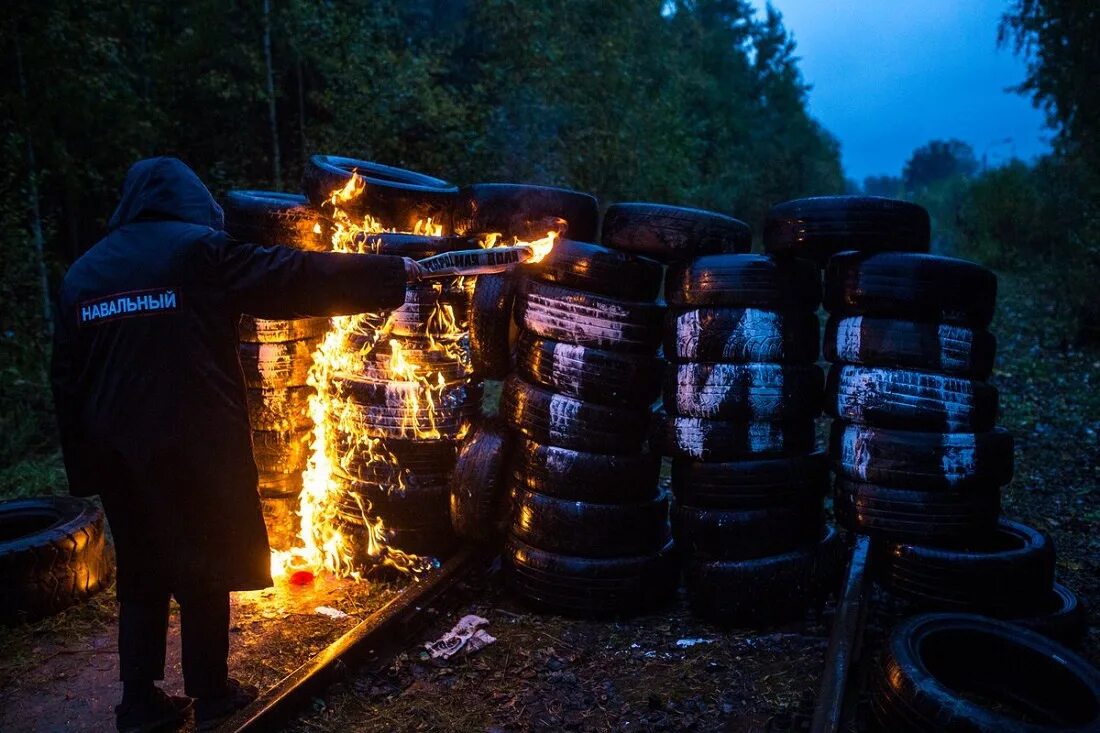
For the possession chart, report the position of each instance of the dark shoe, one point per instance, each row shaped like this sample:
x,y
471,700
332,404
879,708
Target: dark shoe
x,y
211,711
157,712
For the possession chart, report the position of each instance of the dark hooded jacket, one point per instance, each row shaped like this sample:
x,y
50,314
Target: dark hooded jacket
x,y
149,391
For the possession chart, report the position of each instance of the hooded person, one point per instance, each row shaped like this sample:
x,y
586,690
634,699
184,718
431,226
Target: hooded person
x,y
150,401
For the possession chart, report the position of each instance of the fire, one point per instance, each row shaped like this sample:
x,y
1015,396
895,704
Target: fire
x,y
541,247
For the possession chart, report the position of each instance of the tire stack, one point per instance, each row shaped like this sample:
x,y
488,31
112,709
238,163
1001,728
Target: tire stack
x,y
742,393
276,357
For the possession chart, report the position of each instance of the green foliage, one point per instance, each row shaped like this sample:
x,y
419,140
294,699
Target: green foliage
x,y
939,160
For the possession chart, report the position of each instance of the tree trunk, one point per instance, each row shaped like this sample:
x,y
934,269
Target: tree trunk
x,y
276,161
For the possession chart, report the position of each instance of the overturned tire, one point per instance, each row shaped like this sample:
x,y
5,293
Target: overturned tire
x,y
673,232
526,212
744,281
741,335
747,533
581,476
597,321
819,227
587,529
479,494
750,484
888,342
606,377
52,556
271,218
724,440
594,587
596,269
744,392
490,321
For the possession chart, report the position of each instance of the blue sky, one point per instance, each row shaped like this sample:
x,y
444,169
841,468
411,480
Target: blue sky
x,y
890,75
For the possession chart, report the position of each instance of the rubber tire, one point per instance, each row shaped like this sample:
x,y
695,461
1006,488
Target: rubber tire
x,y
53,555
744,281
394,395
431,457
1063,620
915,287
576,317
764,591
749,533
750,484
984,659
907,399
741,335
414,246
593,477
271,365
606,377
1007,576
586,529
891,514
285,408
403,506
260,331
490,322
587,587
905,459
596,269
270,218
449,360
281,451
723,440
819,227
526,212
887,342
278,484
673,232
744,392
429,538
376,421
480,510
556,419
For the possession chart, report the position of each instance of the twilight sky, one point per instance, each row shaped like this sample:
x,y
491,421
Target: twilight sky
x,y
890,75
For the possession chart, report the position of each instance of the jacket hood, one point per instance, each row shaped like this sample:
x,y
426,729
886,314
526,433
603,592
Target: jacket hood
x,y
165,188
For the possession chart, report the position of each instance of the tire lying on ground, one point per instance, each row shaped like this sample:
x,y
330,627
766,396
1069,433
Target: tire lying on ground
x,y
581,476
587,529
606,377
747,533
819,227
52,555
398,198
279,408
479,501
750,484
596,269
961,672
744,392
910,400
741,335
1061,617
526,212
271,218
905,459
744,281
597,321
1009,575
904,515
673,232
557,419
723,440
284,364
887,342
590,586
766,590
490,321
260,331
914,287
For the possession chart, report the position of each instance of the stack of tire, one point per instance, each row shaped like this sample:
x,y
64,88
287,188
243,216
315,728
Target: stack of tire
x,y
742,394
276,357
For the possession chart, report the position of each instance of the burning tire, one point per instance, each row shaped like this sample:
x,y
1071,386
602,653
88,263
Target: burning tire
x,y
819,227
764,591
399,422
277,451
429,311
279,408
490,323
596,269
576,317
744,281
449,361
580,476
271,218
557,419
887,342
278,484
479,492
723,440
526,212
414,246
910,400
946,671
749,533
741,335
399,199
750,484
673,232
744,392
260,331
913,287
52,555
905,459
407,504
587,529
411,456
606,377
589,587
284,364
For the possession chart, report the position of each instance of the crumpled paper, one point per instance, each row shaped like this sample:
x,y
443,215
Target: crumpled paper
x,y
467,637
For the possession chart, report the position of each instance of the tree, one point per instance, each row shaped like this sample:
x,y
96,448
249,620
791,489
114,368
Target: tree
x,y
937,161
886,185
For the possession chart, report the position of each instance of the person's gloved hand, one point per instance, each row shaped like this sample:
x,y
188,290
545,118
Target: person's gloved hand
x,y
414,273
